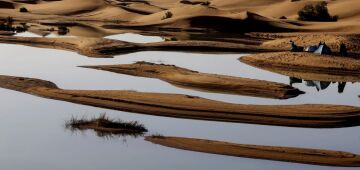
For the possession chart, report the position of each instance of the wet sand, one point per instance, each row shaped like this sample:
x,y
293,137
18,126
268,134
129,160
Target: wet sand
x,y
192,107
206,82
277,153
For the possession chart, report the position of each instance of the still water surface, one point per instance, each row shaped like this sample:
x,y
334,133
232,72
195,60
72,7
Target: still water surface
x,y
33,133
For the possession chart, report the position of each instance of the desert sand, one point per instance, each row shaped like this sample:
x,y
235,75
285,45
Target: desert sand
x,y
233,16
277,153
323,65
205,82
103,48
242,26
192,107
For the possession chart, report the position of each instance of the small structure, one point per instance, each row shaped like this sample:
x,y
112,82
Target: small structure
x,y
295,48
311,48
343,50
323,49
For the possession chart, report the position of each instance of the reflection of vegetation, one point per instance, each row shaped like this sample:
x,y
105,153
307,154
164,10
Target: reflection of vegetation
x,y
106,127
158,136
319,85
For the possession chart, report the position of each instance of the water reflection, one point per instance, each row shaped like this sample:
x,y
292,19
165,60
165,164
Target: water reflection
x,y
319,85
23,128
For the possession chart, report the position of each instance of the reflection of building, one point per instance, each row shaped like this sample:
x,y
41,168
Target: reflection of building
x,y
341,87
319,85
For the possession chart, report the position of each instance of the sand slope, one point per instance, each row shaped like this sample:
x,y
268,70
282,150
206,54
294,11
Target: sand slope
x,y
152,12
305,62
333,40
100,47
205,82
288,154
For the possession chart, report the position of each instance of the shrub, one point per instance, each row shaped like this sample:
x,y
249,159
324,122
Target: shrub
x,y
106,127
167,15
23,9
63,30
318,12
207,3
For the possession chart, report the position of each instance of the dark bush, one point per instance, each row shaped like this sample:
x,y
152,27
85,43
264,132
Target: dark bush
x,y
318,12
23,9
167,15
63,30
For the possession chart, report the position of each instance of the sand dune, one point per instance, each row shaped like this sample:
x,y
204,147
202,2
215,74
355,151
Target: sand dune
x,y
333,40
226,13
7,4
103,48
205,82
192,107
64,7
305,62
277,153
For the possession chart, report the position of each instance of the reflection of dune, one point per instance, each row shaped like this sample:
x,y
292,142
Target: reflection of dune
x,y
277,153
316,76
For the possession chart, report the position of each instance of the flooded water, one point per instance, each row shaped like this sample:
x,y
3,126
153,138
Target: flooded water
x,y
135,38
34,137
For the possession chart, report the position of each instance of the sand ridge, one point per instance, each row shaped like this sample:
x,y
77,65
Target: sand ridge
x,y
305,62
103,48
277,153
229,13
203,81
192,107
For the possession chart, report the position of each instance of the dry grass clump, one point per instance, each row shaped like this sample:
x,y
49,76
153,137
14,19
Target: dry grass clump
x,y
167,15
106,127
